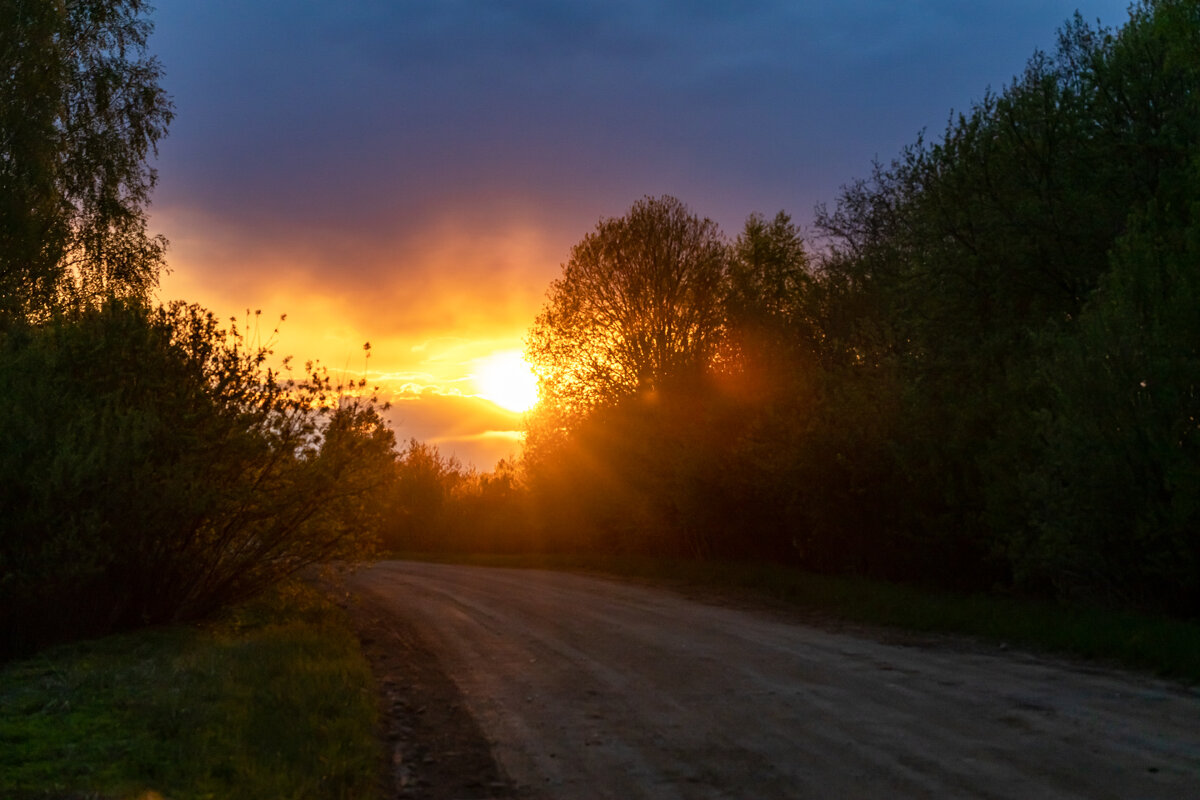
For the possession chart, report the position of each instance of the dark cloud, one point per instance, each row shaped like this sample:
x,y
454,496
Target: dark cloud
x,y
354,113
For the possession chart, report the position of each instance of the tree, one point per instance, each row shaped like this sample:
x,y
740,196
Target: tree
x,y
769,274
639,303
80,112
769,306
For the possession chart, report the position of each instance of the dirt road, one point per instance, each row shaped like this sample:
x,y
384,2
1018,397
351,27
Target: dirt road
x,y
591,688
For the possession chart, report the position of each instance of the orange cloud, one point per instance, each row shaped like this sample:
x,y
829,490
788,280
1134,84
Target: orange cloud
x,y
447,278
476,431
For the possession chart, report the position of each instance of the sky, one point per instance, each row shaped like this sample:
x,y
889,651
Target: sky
x,y
414,173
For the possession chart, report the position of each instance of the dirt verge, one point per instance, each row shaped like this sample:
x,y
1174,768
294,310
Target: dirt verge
x,y
435,749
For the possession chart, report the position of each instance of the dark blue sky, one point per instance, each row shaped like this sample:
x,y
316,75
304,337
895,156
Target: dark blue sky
x,y
350,112
414,173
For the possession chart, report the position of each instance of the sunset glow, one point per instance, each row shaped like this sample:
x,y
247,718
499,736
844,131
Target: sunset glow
x,y
352,170
505,378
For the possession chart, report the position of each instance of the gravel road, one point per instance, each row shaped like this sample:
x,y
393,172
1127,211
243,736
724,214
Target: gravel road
x,y
591,688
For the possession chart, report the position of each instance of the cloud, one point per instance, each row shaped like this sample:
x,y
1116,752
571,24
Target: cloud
x,y
405,292
476,431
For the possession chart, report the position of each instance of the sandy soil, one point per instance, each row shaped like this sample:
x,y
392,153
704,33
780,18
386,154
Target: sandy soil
x,y
435,748
590,688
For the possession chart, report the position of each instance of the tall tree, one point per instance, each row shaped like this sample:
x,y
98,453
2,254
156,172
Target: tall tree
x,y
769,304
81,111
639,303
769,272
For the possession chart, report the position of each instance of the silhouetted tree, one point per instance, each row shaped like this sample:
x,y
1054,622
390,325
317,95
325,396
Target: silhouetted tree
x,y
769,274
81,110
988,375
154,469
639,301
769,308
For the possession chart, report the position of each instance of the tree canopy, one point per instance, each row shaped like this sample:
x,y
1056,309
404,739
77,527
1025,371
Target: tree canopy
x,y
639,302
81,112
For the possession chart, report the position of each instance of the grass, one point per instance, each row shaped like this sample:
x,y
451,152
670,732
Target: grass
x,y
273,701
1165,646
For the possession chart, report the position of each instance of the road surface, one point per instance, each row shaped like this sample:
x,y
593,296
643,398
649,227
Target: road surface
x,y
591,688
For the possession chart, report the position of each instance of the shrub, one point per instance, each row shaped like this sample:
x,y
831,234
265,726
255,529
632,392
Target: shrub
x,y
154,469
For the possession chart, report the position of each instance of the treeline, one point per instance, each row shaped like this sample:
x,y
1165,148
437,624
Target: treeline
x,y
981,371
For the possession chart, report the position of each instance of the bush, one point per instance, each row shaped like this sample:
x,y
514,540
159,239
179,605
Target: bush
x,y
153,469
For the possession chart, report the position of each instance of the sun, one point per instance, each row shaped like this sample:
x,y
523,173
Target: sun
x,y
507,380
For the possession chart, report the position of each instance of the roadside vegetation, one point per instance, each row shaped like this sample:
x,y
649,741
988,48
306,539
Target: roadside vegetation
x,y
156,464
272,699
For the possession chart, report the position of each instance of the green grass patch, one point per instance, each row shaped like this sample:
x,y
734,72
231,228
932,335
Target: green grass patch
x,y
273,701
1168,647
